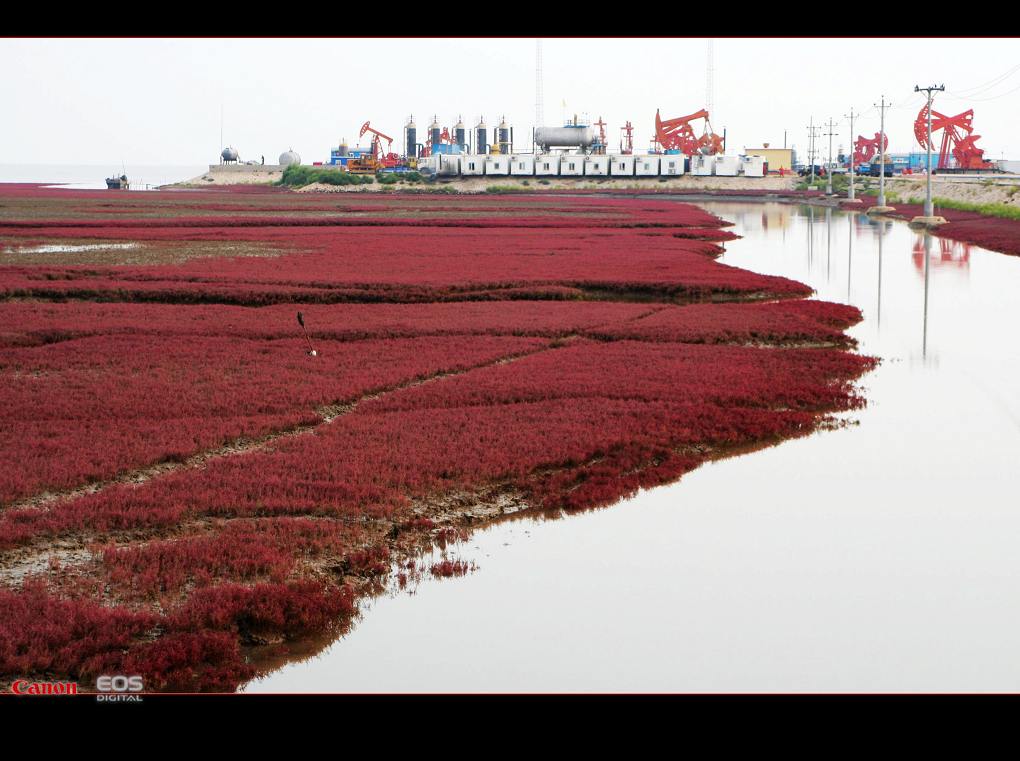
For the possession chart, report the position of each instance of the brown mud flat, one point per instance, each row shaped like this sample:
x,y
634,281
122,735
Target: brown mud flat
x,y
200,561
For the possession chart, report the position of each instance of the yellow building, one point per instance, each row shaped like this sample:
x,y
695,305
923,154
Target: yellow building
x,y
776,158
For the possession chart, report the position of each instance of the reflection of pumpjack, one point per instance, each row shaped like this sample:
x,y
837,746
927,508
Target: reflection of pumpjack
x,y
950,253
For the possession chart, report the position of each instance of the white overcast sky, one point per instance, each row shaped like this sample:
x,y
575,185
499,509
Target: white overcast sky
x,y
158,101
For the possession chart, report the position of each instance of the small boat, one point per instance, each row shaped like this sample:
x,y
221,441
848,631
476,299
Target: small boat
x,y
117,183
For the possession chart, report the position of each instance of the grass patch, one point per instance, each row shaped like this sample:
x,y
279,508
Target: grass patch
x,y
297,176
1002,210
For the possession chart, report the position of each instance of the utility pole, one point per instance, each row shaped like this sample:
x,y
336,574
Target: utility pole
x,y
811,147
881,155
928,209
828,169
850,193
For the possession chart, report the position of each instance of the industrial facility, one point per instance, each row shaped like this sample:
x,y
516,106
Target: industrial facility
x,y
684,145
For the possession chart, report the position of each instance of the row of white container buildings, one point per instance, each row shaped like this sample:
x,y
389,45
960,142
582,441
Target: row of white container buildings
x,y
578,165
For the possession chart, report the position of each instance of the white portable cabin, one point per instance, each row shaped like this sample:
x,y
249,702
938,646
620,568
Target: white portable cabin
x,y
621,166
671,165
727,166
522,164
646,166
752,166
497,164
448,165
702,166
472,165
571,165
547,164
596,166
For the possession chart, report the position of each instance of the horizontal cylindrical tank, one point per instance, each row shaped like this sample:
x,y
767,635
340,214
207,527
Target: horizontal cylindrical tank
x,y
229,154
564,137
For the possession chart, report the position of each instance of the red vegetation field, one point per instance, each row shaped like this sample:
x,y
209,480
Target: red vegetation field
x,y
187,489
993,233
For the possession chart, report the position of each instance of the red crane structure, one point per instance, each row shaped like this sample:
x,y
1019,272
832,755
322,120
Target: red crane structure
x,y
627,140
678,134
958,139
387,158
865,149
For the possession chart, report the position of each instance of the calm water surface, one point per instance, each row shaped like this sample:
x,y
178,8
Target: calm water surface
x,y
881,557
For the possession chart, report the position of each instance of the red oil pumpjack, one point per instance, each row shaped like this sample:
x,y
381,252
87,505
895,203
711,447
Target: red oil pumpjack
x,y
678,134
958,139
865,149
378,159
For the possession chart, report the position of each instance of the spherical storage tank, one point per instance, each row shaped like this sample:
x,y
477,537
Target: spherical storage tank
x,y
229,154
289,157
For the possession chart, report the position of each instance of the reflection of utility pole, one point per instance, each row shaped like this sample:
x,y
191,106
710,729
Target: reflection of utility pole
x,y
828,243
927,256
850,253
881,234
828,169
928,210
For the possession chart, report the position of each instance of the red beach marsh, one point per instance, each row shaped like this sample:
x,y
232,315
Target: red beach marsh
x,y
187,490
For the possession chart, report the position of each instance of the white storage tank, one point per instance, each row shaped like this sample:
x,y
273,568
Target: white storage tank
x,y
752,166
596,166
547,164
727,166
672,165
571,165
646,166
522,164
621,166
497,164
702,166
472,165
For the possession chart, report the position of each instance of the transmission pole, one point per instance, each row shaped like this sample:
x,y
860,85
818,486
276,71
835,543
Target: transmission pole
x,y
811,148
850,193
881,154
539,95
828,169
928,209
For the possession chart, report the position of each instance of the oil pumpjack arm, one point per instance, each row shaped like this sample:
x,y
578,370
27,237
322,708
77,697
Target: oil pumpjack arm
x,y
678,135
958,139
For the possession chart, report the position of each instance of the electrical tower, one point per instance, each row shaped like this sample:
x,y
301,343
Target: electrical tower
x,y
828,169
710,81
539,96
928,210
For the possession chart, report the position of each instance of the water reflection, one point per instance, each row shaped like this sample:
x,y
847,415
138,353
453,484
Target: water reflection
x,y
878,557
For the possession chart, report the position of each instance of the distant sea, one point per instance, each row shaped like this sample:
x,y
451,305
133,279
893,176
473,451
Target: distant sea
x,y
87,177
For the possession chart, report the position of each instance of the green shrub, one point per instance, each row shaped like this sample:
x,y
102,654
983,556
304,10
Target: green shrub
x,y
298,175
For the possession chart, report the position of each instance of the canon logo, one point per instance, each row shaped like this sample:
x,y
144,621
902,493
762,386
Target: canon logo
x,y
25,687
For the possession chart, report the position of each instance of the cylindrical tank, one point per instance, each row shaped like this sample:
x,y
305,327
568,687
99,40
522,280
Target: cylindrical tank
x,y
436,133
481,137
412,138
564,137
229,154
289,157
460,135
342,149
504,136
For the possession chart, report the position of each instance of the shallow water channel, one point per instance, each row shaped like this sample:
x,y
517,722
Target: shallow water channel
x,y
884,556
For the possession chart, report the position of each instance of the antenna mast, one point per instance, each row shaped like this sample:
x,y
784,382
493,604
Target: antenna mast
x,y
539,96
